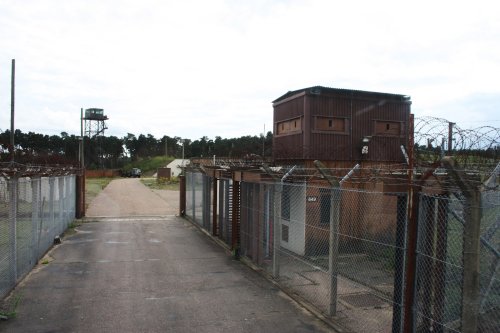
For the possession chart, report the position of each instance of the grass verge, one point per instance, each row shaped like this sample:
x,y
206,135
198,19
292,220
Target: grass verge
x,y
161,183
93,186
9,307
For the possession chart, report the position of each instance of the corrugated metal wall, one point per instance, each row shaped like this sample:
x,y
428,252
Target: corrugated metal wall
x,y
289,146
361,111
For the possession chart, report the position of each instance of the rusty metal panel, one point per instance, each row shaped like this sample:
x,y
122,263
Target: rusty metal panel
x,y
361,111
329,147
288,147
335,122
291,109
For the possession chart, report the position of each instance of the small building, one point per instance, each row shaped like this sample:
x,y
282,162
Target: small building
x,y
95,114
347,130
340,127
176,166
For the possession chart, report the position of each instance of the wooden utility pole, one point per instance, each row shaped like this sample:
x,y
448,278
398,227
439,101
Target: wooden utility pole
x,y
12,103
166,146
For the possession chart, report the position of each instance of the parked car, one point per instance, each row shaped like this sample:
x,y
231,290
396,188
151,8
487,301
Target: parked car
x,y
134,173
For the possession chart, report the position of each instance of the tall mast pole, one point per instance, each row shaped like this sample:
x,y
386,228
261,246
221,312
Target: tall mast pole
x,y
12,103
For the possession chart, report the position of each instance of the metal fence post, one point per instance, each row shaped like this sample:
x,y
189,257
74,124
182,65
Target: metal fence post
x,y
333,252
67,201
441,254
205,202
51,207
13,225
214,206
193,195
235,216
334,235
471,287
60,183
278,190
399,260
182,195
35,216
471,245
227,212
221,209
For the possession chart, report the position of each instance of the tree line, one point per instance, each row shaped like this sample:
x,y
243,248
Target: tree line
x,y
115,152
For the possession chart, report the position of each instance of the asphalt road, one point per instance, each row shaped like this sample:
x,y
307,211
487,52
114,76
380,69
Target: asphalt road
x,y
149,274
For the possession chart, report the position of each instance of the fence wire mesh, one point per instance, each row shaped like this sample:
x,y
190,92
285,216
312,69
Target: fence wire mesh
x,y
195,196
344,250
33,211
353,271
444,297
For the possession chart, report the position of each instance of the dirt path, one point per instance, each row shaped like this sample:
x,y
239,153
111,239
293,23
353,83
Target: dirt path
x,y
129,197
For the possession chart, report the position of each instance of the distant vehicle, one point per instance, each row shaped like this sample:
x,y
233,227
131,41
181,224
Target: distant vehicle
x,y
136,172
133,173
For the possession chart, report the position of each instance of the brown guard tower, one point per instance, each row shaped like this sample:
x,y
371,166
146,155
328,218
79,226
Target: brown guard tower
x,y
95,125
340,127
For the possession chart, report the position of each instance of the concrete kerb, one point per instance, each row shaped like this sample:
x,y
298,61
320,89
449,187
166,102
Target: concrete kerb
x,y
293,296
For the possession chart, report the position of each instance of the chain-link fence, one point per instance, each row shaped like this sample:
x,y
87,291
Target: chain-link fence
x,y
32,212
225,206
341,251
457,285
198,199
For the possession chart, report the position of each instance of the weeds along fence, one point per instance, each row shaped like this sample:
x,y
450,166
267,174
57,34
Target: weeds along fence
x,y
33,211
346,251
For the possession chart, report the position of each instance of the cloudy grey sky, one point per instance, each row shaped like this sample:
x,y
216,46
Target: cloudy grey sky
x,y
193,68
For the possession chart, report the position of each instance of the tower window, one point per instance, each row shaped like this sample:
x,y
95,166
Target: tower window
x,y
332,124
291,126
388,128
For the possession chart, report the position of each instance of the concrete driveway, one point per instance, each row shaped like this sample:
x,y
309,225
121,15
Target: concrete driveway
x,y
149,274
129,197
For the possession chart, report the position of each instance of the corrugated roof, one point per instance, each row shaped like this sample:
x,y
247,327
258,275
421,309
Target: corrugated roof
x,y
317,90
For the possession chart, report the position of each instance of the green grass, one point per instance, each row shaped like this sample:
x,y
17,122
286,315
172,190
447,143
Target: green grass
x,y
93,186
71,228
161,184
11,310
149,165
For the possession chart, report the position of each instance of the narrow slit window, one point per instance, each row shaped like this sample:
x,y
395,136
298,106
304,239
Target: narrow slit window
x,y
388,128
291,126
331,124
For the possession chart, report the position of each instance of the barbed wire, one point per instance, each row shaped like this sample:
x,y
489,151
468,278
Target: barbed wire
x,y
12,169
477,148
476,155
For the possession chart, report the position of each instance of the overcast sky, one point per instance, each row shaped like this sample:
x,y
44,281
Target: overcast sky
x,y
206,68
